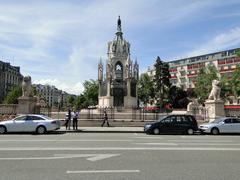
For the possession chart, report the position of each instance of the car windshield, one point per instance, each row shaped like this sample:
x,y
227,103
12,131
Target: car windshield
x,y
46,117
217,120
161,118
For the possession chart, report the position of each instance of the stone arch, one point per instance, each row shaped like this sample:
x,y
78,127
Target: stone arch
x,y
119,70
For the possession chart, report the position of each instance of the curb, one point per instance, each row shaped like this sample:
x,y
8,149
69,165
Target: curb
x,y
102,130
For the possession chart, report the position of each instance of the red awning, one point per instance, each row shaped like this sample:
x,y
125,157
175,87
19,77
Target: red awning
x,y
232,107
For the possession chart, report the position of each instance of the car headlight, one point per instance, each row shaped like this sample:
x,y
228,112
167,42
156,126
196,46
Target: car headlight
x,y
147,126
204,127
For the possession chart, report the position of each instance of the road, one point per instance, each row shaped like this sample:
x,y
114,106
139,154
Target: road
x,y
119,156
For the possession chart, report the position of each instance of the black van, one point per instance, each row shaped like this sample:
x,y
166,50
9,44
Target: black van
x,y
173,124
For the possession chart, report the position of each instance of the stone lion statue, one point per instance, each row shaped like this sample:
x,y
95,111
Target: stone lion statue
x,y
27,87
215,92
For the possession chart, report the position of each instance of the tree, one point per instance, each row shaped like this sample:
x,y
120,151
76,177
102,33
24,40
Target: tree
x,y
161,80
91,92
178,97
80,102
238,53
145,88
71,100
235,82
204,82
13,95
89,97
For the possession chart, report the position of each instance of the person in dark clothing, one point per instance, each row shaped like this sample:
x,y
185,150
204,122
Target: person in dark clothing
x,y
105,118
75,120
68,119
66,124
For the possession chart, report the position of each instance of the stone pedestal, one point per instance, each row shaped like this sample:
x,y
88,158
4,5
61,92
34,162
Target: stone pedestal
x,y
215,109
105,101
26,105
130,102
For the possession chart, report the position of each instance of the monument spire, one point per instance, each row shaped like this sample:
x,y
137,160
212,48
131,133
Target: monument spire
x,y
119,27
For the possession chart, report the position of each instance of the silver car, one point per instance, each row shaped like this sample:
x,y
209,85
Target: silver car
x,y
29,123
221,125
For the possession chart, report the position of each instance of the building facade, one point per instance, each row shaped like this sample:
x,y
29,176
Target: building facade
x,y
185,71
118,88
52,96
10,76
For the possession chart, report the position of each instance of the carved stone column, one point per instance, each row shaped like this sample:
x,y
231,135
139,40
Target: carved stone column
x,y
215,109
26,105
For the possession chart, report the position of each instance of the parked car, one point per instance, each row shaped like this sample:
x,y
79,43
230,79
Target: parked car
x,y
29,123
221,125
173,124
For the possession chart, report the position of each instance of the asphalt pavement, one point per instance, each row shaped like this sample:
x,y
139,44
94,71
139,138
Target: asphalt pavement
x,y
117,156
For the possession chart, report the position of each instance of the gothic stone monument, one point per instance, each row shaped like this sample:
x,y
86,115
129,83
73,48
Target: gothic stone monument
x,y
214,104
118,87
26,103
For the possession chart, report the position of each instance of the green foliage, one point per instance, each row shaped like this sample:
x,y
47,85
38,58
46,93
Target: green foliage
x,y
89,97
145,88
80,102
162,81
204,82
13,95
238,52
226,87
178,97
91,92
71,101
235,82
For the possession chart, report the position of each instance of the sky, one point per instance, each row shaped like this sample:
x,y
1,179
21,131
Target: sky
x,y
60,42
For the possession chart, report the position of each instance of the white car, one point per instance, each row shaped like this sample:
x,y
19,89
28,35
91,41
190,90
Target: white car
x,y
222,125
29,123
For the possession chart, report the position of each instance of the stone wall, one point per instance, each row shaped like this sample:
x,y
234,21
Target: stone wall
x,y
8,109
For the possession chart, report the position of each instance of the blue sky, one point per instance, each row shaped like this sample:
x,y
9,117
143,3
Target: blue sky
x,y
60,42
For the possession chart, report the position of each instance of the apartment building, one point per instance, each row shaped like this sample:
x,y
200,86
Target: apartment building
x,y
10,76
52,96
185,71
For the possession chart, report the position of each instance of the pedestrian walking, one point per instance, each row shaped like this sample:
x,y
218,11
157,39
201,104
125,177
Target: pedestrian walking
x,y
105,118
75,120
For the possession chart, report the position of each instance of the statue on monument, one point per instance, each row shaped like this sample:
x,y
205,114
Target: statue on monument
x,y
215,92
109,70
100,71
27,87
119,24
127,71
135,70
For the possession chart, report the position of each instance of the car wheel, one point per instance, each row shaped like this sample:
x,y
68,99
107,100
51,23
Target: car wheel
x,y
3,129
215,131
41,130
190,131
156,131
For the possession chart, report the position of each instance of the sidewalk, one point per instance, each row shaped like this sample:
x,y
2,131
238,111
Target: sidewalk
x,y
104,129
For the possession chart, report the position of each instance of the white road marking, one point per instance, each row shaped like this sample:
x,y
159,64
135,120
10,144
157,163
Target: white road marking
x,y
103,171
163,144
199,141
90,157
52,140
124,149
211,144
149,137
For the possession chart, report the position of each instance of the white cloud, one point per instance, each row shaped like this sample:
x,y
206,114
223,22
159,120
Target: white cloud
x,y
60,42
219,42
72,89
